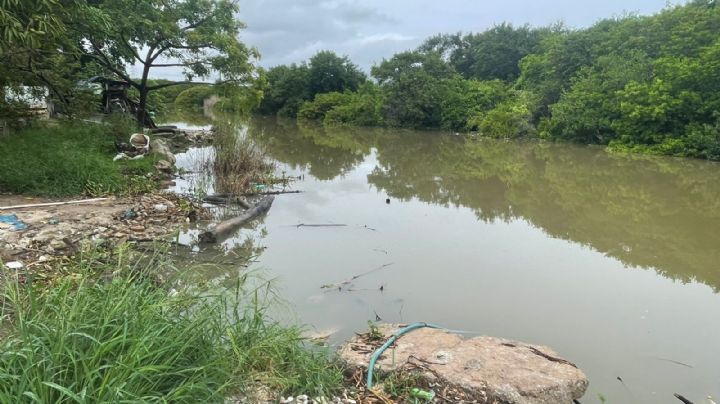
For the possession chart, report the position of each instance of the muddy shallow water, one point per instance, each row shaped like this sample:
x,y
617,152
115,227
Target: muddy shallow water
x,y
612,260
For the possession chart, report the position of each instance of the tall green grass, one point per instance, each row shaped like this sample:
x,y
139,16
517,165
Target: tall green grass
x,y
128,340
66,159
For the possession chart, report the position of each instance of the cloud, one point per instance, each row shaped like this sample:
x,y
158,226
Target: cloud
x,y
292,31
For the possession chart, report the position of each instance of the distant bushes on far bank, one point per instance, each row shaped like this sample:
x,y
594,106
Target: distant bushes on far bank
x,y
647,84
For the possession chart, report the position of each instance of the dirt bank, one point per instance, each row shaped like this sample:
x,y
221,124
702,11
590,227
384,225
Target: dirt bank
x,y
58,231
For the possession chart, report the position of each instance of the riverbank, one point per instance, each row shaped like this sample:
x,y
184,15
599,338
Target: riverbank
x,y
82,251
55,232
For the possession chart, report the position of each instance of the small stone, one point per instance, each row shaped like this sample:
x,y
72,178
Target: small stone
x,y
137,228
58,244
14,265
43,258
163,166
160,208
119,235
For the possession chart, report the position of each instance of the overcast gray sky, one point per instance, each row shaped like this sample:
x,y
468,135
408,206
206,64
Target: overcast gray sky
x,y
287,31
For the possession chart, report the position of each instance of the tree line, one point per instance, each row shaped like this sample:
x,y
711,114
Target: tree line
x,y
641,83
57,44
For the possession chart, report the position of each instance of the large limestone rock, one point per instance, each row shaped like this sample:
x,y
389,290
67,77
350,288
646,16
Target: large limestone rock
x,y
487,369
159,146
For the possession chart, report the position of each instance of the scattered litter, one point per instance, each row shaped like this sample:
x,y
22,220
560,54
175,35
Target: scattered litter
x,y
128,214
422,394
14,265
140,141
160,208
13,221
123,156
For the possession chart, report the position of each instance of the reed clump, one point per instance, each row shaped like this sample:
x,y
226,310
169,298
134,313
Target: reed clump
x,y
239,162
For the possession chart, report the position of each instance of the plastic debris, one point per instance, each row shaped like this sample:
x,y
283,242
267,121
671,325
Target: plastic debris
x,y
13,221
14,264
128,214
123,156
140,141
422,394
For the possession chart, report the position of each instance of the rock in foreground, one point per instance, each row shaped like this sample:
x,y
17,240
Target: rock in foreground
x,y
486,369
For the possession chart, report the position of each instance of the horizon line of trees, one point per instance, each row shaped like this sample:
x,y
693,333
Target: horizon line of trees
x,y
641,83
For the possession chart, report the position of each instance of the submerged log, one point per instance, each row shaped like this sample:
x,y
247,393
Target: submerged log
x,y
226,227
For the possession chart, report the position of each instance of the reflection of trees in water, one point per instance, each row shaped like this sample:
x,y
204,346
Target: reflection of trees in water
x,y
324,155
647,212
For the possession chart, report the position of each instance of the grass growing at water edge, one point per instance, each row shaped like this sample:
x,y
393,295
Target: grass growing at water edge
x,y
239,161
128,339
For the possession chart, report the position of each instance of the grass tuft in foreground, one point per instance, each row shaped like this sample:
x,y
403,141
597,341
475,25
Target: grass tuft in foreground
x,y
128,340
72,158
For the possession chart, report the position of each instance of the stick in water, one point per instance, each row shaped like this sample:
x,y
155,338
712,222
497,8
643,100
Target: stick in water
x,y
320,225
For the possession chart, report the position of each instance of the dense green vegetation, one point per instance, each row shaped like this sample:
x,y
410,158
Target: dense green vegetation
x,y
289,86
53,45
89,340
71,159
639,83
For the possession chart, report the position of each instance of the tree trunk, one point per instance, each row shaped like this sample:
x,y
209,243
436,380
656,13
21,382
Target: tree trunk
x,y
142,105
143,89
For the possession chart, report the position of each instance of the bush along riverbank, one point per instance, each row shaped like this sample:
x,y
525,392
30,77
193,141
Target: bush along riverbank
x,y
647,84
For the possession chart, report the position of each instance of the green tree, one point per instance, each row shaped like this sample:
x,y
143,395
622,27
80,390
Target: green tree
x,y
586,111
466,99
198,36
39,47
287,89
414,85
330,72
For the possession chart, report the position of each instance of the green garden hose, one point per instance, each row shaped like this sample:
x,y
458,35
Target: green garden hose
x,y
390,341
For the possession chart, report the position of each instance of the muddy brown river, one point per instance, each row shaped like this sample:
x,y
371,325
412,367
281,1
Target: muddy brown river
x,y
612,260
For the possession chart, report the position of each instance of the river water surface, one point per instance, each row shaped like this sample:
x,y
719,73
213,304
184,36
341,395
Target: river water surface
x,y
611,260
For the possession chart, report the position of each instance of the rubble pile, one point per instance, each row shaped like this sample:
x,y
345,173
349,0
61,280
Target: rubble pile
x,y
64,230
